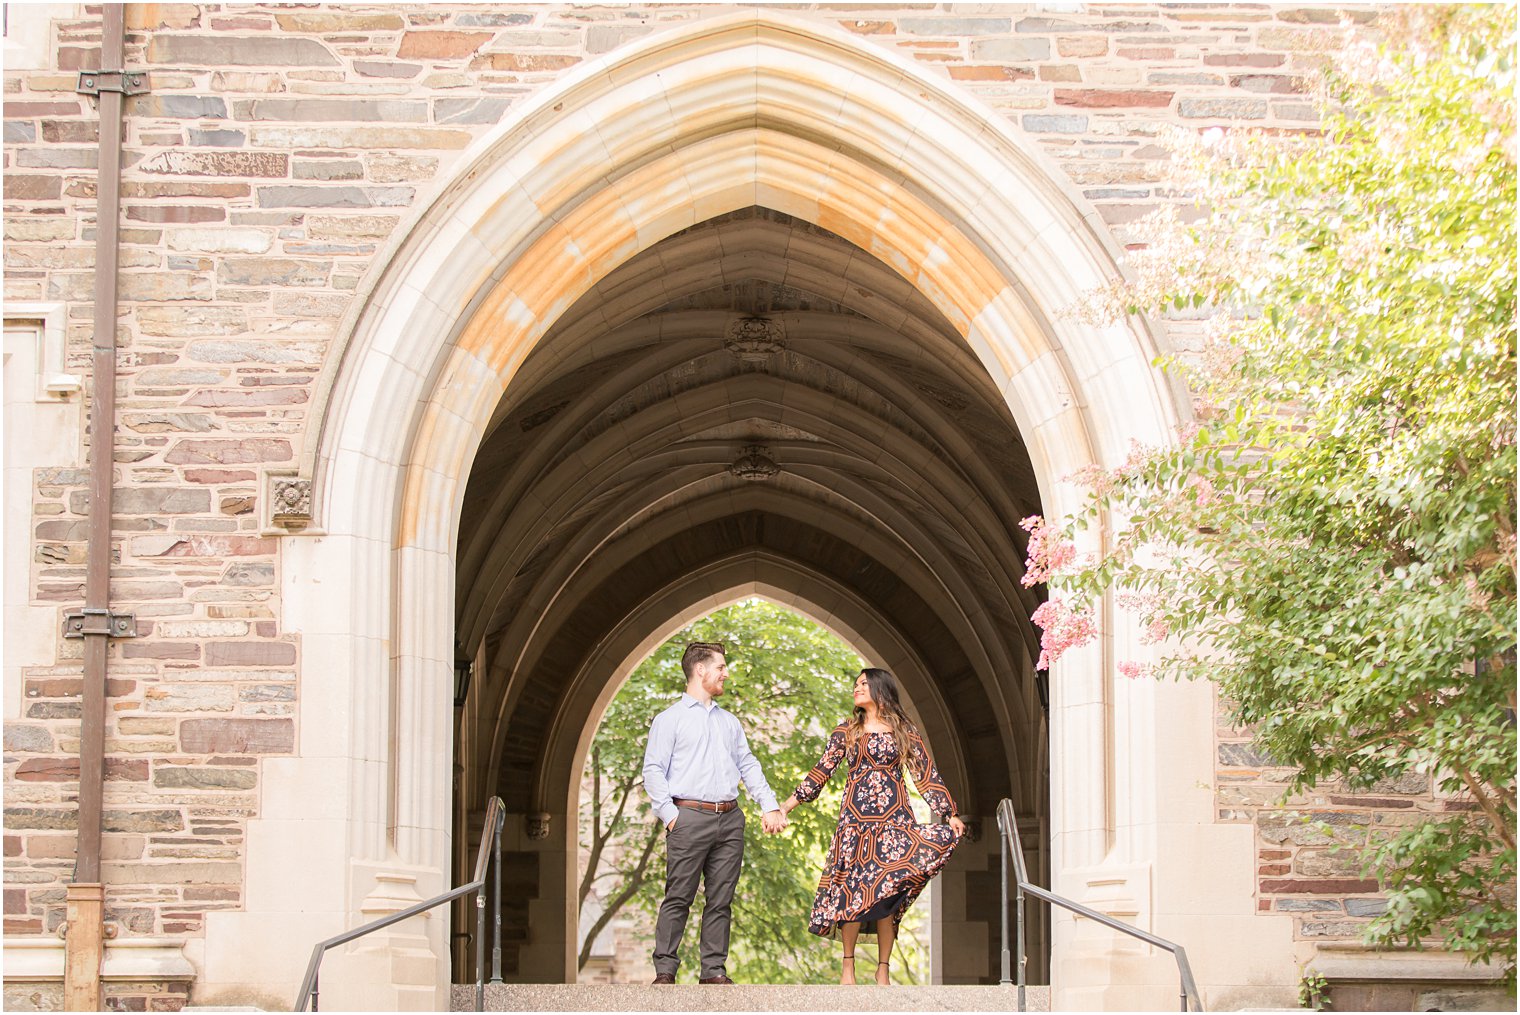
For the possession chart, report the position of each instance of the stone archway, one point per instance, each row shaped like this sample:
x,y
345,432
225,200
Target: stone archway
x,y
753,395
746,111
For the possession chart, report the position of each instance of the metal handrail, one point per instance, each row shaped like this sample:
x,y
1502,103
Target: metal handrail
x,y
1008,827
490,844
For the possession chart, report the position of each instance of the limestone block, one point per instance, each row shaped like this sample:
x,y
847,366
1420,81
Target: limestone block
x,y
169,105
229,452
470,110
237,51
334,197
28,738
332,110
606,38
954,26
386,69
250,653
1011,50
149,501
203,777
217,241
237,736
434,45
165,286
178,872
217,137
388,168
1230,109
32,187
162,820
23,230
327,169
188,698
325,22
272,271
379,138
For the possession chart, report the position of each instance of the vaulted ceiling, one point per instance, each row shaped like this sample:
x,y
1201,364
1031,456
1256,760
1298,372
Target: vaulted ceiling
x,y
754,387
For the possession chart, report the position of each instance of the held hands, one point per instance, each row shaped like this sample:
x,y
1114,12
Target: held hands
x,y
958,826
775,822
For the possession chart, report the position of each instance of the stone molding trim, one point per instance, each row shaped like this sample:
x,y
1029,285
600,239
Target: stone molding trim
x,y
54,382
40,959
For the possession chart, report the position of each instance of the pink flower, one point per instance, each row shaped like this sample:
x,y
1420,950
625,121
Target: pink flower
x,y
1061,629
1048,552
1204,494
1148,605
1095,478
1134,670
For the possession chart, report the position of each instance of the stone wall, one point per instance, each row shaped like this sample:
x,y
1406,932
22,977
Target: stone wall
x,y
279,152
1309,863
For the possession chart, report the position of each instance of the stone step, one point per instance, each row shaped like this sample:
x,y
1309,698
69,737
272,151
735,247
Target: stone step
x,y
771,997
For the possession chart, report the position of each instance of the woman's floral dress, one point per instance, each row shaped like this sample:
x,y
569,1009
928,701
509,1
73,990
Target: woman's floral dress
x,y
881,857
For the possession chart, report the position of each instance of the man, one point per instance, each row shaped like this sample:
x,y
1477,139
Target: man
x,y
697,754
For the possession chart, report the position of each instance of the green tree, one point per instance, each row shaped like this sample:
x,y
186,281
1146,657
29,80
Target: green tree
x,y
1334,545
790,683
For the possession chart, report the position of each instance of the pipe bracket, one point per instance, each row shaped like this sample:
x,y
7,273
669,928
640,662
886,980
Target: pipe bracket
x,y
85,622
93,82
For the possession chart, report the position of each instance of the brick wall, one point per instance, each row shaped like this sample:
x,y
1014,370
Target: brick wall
x,y
279,149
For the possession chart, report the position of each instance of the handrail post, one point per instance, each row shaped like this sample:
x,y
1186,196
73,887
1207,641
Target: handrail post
x,y
316,992
496,903
1022,959
1007,977
480,948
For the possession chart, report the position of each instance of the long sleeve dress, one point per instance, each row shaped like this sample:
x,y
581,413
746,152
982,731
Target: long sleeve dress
x,y
881,857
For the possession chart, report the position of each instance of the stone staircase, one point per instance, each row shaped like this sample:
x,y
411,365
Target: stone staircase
x,y
774,997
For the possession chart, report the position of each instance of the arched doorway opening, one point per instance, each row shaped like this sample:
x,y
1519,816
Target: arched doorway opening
x,y
753,395
789,681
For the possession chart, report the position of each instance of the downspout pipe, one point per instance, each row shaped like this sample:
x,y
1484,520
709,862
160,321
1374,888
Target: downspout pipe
x,y
85,937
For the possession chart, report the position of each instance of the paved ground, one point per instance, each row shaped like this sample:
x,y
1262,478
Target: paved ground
x,y
692,997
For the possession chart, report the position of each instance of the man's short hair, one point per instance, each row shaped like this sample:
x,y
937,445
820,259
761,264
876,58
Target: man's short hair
x,y
699,652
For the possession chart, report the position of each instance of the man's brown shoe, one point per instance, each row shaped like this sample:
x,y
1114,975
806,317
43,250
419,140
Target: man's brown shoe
x,y
716,979
664,978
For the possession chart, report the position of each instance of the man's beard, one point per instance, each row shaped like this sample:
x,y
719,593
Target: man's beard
x,y
712,686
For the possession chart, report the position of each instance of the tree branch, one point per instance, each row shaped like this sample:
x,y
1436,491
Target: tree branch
x,y
618,901
1490,809
600,837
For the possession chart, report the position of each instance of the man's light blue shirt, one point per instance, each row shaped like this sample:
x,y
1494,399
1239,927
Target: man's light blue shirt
x,y
698,751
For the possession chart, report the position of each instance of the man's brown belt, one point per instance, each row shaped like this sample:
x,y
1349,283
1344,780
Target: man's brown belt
x,y
703,805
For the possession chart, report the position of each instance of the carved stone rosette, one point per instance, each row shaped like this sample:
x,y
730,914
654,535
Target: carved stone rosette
x,y
754,339
290,500
755,464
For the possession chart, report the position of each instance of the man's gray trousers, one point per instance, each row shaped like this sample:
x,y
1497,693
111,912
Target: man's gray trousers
x,y
707,847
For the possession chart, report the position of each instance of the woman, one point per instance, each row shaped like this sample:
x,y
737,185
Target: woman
x,y
881,858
